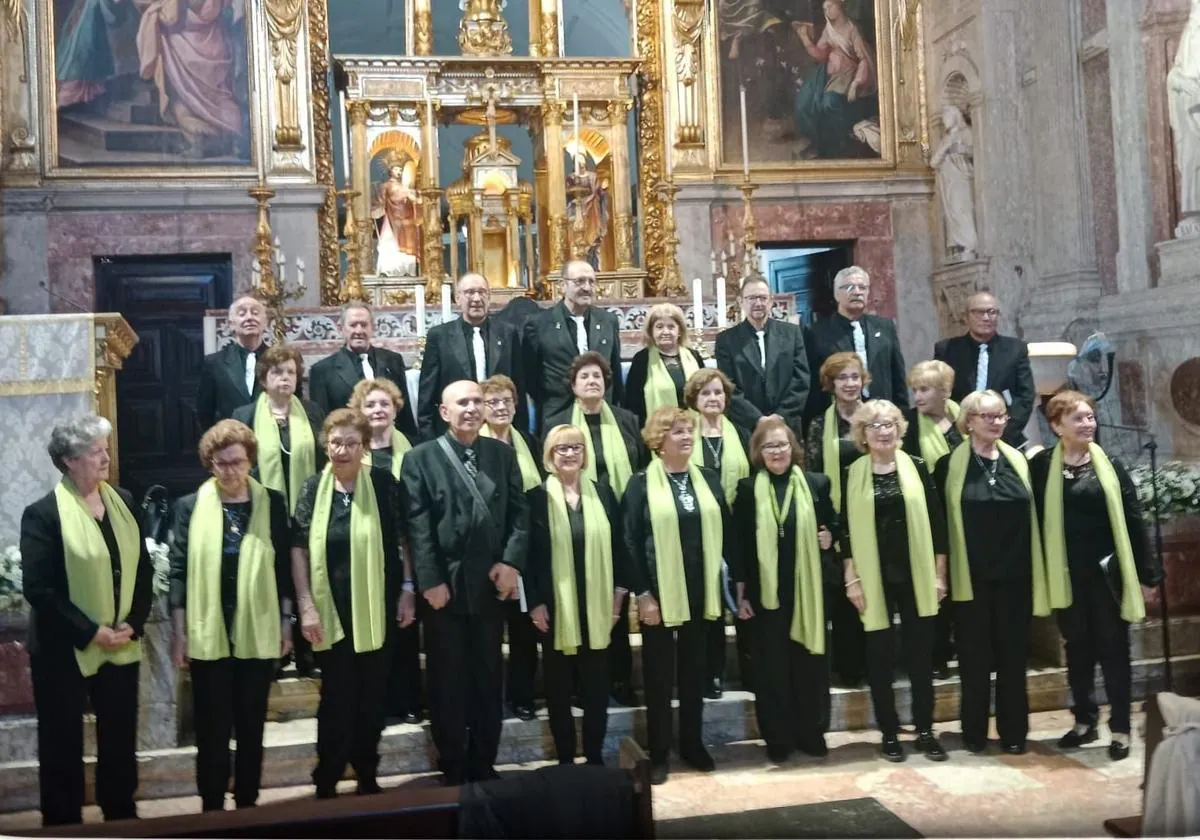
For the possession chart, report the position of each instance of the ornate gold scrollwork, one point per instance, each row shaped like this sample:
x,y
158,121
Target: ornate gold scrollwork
x,y
651,141
283,26
549,28
327,215
423,28
431,243
623,229
688,20
558,240
483,29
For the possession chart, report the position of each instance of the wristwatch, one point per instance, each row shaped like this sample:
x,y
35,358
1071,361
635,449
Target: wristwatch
x,y
408,586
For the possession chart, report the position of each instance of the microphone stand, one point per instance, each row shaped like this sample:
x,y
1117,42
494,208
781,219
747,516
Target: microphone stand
x,y
1164,613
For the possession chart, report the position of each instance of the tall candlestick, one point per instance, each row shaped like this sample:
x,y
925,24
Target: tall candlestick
x,y
712,258
420,290
446,302
697,306
745,137
721,303
345,139
432,135
578,139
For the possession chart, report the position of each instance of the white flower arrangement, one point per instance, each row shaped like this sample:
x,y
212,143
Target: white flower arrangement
x,y
1178,490
11,581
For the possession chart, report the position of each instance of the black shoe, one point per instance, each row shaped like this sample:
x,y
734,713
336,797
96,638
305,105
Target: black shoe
x,y
975,747
698,758
1073,739
814,746
929,744
1118,751
659,773
523,712
777,754
941,671
326,792
715,690
1015,749
623,694
891,748
414,718
368,787
452,778
595,761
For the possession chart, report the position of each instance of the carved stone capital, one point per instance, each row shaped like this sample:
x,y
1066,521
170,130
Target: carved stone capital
x,y
359,111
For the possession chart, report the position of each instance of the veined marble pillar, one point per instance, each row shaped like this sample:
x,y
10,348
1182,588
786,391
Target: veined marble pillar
x,y
552,119
618,145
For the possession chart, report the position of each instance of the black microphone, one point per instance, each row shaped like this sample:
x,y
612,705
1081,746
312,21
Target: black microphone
x,y
77,307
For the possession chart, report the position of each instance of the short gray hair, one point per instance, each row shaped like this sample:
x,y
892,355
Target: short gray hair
x,y
356,304
70,440
850,272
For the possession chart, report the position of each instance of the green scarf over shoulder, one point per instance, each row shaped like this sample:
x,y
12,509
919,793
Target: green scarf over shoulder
x,y
616,455
734,464
368,598
960,568
302,462
660,387
256,621
530,477
931,439
668,550
400,448
808,610
831,461
597,568
860,509
90,572
1133,608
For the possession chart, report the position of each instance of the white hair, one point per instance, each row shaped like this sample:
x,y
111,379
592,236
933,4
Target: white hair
x,y
849,273
72,439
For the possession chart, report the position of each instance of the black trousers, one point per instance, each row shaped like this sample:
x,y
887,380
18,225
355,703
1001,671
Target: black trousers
x,y
666,650
404,675
620,654
351,712
917,642
993,635
589,669
522,664
943,634
848,642
230,698
465,688
716,651
60,693
791,706
1094,632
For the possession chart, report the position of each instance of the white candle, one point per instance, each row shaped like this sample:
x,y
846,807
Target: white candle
x,y
278,253
255,274
745,136
420,311
721,303
345,139
578,140
300,273
697,305
446,302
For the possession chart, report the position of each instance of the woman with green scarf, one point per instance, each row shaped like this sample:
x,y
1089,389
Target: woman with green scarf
x,y
87,577
347,566
787,523
575,586
894,555
997,574
659,372
831,450
231,602
675,519
1098,561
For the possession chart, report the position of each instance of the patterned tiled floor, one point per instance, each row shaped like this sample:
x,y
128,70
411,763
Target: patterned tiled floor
x,y
1043,793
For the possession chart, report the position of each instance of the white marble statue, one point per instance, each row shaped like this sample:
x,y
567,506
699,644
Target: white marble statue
x,y
1183,94
954,160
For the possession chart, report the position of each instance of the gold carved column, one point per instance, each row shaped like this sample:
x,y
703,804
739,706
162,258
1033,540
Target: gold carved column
x,y
535,28
651,143
322,142
422,27
549,27
687,21
284,18
556,181
115,340
360,164
622,199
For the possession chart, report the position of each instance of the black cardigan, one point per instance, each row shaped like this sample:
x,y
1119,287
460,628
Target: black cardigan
x,y
57,626
635,381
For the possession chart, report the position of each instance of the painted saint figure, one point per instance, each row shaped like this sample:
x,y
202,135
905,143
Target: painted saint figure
x,y
395,213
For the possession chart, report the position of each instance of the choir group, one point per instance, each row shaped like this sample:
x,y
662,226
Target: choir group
x,y
536,492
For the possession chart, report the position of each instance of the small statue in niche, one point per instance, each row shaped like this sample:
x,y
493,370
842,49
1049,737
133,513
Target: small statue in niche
x,y
1183,93
587,200
954,161
395,214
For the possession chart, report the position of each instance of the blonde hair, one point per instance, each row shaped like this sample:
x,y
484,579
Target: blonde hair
x,y
563,433
871,411
359,395
660,422
932,374
497,383
973,404
657,313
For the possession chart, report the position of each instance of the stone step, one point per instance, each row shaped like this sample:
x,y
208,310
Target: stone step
x,y
290,745
114,136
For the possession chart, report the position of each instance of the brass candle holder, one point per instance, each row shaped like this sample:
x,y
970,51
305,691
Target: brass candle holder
x,y
271,285
672,281
352,286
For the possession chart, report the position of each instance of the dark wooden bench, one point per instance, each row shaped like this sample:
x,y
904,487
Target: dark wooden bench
x,y
408,811
1132,826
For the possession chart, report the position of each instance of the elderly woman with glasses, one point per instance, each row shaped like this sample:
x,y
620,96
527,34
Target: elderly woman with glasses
x,y
675,518
231,601
786,521
87,577
347,569
1098,561
659,372
575,587
997,574
894,561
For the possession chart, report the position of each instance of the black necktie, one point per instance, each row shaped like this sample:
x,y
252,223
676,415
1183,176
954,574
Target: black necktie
x,y
469,457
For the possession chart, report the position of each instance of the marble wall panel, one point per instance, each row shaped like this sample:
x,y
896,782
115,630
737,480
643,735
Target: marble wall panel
x,y
1161,26
1097,105
1094,16
23,248
916,315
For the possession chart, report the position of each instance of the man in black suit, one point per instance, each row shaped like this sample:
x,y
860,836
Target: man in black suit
x,y
227,377
557,335
851,329
473,347
765,359
332,379
468,527
983,360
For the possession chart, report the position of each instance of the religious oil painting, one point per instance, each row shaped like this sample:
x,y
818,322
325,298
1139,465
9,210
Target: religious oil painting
x,y
395,204
811,72
151,84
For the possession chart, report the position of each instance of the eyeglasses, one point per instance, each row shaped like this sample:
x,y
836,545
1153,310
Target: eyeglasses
x,y
986,313
756,298
499,402
775,448
882,425
473,292
344,445
568,449
991,417
583,281
230,465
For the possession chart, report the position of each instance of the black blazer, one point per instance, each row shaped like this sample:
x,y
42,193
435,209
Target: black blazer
x,y
781,389
539,577
316,418
631,431
743,560
549,348
639,534
635,383
223,385
331,382
57,627
885,362
449,358
911,443
1009,374
450,541
281,540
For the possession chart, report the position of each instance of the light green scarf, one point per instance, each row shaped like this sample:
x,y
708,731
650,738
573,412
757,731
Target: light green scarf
x,y
1133,608
597,568
659,389
368,598
256,621
808,611
734,466
89,568
860,509
616,455
831,461
302,462
400,448
931,439
960,568
668,550
530,477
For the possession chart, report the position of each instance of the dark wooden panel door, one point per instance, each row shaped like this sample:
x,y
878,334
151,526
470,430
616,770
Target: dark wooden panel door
x,y
810,278
163,299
